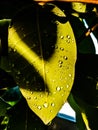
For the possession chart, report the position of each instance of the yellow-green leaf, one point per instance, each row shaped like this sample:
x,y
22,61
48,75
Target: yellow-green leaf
x,y
42,58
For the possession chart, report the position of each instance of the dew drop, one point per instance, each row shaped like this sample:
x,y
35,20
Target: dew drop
x,y
61,48
50,110
45,105
65,57
58,88
31,92
62,95
53,80
28,98
68,41
35,98
60,62
62,37
60,65
70,75
54,92
52,104
68,36
39,107
41,95
67,86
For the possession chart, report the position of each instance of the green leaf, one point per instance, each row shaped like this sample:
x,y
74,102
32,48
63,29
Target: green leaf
x,y
79,120
3,107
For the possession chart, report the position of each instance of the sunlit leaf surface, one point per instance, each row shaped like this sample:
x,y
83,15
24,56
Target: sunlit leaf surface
x,y
84,1
42,54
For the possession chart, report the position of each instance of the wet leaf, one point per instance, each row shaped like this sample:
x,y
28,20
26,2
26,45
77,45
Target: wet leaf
x,y
42,53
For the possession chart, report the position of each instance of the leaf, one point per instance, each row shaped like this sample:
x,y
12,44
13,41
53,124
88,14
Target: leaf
x,y
84,1
42,58
3,107
79,119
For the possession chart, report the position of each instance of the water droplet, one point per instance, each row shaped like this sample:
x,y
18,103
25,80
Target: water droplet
x,y
68,41
58,88
31,92
67,86
60,65
35,97
65,57
62,37
41,95
68,36
28,98
39,107
54,92
60,62
61,48
50,110
45,105
53,80
52,104
70,75
62,95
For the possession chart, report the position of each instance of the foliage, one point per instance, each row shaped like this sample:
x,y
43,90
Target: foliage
x,y
21,69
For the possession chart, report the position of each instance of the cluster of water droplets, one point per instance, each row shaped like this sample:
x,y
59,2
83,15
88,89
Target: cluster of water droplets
x,y
46,105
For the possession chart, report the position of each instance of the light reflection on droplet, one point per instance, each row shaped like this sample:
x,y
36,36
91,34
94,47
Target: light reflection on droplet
x,y
67,86
68,36
50,110
60,65
41,95
65,57
68,41
31,92
45,105
62,37
39,107
58,88
35,97
62,95
61,48
70,75
60,62
28,98
53,80
52,104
